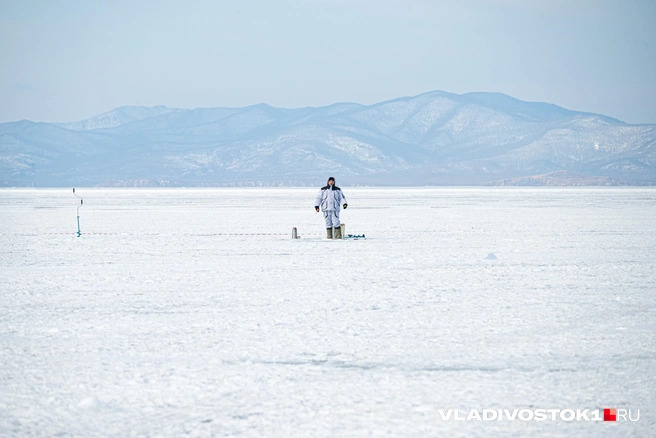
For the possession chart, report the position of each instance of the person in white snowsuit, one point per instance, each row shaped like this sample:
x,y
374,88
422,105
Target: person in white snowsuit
x,y
330,199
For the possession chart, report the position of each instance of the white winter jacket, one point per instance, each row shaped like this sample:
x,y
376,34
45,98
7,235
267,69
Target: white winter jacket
x,y
330,198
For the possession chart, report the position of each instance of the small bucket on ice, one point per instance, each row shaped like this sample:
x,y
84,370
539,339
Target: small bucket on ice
x,y
294,233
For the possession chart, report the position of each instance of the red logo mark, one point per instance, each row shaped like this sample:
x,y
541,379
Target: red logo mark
x,y
610,415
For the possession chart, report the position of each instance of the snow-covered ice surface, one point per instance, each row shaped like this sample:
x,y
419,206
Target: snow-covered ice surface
x,y
170,316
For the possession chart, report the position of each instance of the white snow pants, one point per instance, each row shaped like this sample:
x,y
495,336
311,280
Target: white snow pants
x,y
332,218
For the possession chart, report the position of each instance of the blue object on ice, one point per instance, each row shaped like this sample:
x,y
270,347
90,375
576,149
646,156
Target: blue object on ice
x,y
79,233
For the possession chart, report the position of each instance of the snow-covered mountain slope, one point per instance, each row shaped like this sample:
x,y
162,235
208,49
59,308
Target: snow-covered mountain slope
x,y
433,138
117,117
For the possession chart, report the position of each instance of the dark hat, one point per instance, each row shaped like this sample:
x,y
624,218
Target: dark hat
x,y
333,178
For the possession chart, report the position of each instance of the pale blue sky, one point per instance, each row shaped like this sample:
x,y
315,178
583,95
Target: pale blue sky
x,y
69,60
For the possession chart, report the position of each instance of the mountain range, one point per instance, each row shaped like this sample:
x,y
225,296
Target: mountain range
x,y
436,138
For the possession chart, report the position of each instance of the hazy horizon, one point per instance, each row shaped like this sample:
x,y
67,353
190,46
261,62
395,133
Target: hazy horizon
x,y
69,61
309,106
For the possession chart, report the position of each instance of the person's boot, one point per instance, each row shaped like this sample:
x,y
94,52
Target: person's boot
x,y
338,232
329,233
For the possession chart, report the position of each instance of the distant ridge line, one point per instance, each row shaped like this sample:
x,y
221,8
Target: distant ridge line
x,y
435,138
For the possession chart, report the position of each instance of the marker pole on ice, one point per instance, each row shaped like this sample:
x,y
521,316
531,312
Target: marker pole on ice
x,y
79,233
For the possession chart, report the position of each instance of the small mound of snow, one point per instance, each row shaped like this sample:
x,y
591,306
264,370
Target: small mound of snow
x,y
491,256
93,404
89,403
